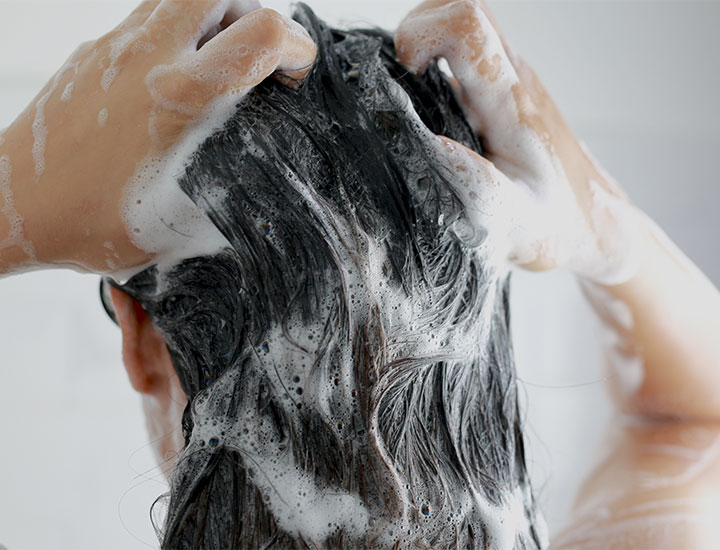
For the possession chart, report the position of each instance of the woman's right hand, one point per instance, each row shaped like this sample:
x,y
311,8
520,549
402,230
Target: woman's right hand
x,y
537,190
111,114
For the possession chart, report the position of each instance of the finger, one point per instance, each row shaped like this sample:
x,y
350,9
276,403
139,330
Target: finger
x,y
236,60
497,211
257,45
243,7
495,100
236,10
188,20
140,14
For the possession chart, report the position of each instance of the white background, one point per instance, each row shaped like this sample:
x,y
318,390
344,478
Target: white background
x,y
639,81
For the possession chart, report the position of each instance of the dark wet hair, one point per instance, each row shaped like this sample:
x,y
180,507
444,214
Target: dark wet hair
x,y
317,340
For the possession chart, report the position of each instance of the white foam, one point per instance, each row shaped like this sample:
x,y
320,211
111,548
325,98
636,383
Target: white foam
x,y
693,467
16,235
297,502
67,92
102,117
39,128
118,46
160,219
171,227
616,324
529,193
112,258
39,131
142,46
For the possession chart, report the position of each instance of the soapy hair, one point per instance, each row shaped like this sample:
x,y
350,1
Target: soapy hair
x,y
347,360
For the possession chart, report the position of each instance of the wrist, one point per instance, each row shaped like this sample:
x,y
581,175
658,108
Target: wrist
x,y
17,250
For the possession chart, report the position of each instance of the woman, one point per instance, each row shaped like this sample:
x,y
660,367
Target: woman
x,y
535,160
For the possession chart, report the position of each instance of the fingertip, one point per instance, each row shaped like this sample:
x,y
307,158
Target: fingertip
x,y
300,32
292,80
415,59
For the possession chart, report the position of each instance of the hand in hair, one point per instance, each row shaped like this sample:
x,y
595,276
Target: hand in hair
x,y
555,205
658,483
130,96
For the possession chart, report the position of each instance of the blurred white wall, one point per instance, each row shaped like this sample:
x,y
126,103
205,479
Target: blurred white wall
x,y
638,81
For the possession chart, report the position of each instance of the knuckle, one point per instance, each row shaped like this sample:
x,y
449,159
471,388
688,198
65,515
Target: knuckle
x,y
268,17
466,9
273,26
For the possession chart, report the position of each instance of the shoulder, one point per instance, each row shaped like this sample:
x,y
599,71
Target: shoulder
x,y
657,487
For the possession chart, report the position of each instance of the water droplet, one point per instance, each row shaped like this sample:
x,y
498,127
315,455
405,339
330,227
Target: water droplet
x,y
296,379
213,442
425,510
373,521
266,347
299,391
266,228
340,425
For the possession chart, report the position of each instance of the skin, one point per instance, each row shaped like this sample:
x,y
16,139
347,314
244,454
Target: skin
x,y
667,425
155,85
662,465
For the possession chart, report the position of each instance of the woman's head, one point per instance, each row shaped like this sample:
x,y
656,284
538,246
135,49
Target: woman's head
x,y
346,362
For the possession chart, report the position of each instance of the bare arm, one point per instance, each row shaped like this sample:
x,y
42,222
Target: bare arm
x,y
86,171
671,332
662,315
658,484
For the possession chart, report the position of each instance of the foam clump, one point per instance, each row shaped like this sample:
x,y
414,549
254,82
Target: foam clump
x,y
67,92
16,236
103,117
540,214
160,218
39,126
118,46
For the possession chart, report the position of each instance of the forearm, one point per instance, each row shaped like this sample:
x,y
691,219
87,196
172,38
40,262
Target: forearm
x,y
41,222
87,174
672,330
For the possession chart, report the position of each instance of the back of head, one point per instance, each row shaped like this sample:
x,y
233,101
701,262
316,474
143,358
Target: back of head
x,y
347,361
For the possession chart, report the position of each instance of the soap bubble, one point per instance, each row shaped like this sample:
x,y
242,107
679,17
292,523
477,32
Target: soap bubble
x,y
468,234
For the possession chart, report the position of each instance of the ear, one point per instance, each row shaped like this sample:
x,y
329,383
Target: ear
x,y
145,354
